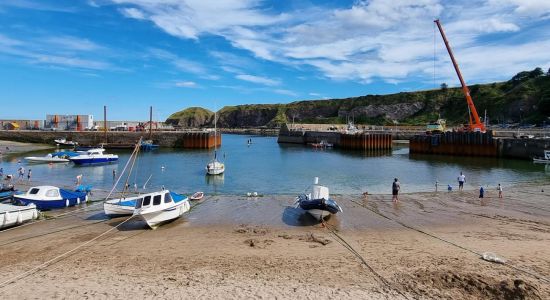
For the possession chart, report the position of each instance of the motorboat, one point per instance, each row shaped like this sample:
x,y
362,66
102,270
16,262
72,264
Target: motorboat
x,y
543,160
12,215
318,203
94,156
50,158
161,207
65,142
7,191
197,196
121,206
50,197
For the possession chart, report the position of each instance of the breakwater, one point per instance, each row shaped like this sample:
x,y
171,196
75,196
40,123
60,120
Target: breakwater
x,y
117,139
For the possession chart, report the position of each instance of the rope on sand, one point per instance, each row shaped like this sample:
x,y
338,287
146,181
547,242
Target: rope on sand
x,y
346,245
537,276
59,257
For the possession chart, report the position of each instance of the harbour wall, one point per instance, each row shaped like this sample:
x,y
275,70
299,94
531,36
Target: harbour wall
x,y
116,139
360,141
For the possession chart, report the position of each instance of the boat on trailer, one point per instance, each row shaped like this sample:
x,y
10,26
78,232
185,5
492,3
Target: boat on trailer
x,y
47,197
318,203
543,160
161,207
12,215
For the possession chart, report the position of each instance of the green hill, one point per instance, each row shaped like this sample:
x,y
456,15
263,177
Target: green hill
x,y
524,98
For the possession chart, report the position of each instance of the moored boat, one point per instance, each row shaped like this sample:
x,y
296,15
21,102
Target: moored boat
x,y
94,156
318,203
50,158
161,207
543,160
11,215
50,197
65,142
197,196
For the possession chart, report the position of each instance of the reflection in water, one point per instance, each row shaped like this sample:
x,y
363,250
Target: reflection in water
x,y
216,181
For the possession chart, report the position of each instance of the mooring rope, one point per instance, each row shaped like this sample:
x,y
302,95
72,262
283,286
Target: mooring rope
x,y
537,276
49,262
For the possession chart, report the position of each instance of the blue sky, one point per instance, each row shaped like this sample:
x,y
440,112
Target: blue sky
x,y
66,57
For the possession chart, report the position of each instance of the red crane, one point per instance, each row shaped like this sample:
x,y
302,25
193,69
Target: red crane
x,y
475,123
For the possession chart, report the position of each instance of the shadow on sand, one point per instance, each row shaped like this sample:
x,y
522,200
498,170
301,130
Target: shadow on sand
x,y
295,216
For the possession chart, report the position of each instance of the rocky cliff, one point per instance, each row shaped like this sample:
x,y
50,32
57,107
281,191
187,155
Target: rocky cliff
x,y
524,98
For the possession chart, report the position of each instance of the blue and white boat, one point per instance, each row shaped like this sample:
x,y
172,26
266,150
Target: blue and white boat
x,y
94,156
161,207
12,215
50,197
318,204
126,206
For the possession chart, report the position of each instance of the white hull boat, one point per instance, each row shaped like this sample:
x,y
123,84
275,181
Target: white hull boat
x,y
318,203
215,167
120,207
161,207
12,215
46,159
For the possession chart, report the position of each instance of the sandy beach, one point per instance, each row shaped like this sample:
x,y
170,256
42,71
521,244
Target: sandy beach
x,y
426,246
8,148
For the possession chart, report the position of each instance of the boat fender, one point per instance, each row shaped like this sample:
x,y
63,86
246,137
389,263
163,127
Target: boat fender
x,y
78,200
19,218
6,218
86,198
35,214
67,203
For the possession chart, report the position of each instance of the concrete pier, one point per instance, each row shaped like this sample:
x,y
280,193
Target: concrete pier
x,y
455,143
117,139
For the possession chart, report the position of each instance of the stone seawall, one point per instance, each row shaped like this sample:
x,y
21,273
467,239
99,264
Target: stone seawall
x,y
523,148
169,139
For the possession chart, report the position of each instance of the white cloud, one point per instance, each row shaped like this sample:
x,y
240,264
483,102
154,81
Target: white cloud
x,y
133,13
187,84
180,63
285,92
258,79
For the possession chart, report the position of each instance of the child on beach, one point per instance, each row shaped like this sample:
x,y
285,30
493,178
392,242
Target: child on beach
x,y
481,192
29,175
461,179
499,189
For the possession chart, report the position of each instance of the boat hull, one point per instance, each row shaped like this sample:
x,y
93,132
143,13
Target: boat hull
x,y
541,161
38,160
319,214
157,218
51,204
91,161
115,208
12,215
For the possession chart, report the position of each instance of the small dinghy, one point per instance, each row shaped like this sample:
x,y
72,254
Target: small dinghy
x,y
11,215
197,196
318,204
161,207
50,197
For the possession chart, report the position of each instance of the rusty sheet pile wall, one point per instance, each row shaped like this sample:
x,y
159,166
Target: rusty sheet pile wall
x,y
456,143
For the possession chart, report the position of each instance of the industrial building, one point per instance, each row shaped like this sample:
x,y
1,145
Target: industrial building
x,y
69,122
21,124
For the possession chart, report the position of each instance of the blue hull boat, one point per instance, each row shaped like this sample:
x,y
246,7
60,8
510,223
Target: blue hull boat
x,y
49,197
90,161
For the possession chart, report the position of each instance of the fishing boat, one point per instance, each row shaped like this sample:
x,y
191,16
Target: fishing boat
x,y
148,145
94,156
215,167
543,160
197,196
65,142
50,197
11,215
161,207
122,206
318,203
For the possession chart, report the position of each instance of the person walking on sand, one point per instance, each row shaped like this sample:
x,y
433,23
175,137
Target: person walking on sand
x,y
114,174
461,180
481,192
21,173
29,175
1,173
396,186
499,189
79,179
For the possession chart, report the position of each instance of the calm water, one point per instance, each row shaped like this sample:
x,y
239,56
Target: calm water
x,y
269,168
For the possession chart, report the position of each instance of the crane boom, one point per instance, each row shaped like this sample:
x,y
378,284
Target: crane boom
x,y
475,123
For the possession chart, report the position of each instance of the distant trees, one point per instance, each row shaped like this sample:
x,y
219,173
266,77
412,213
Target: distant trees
x,y
522,76
444,86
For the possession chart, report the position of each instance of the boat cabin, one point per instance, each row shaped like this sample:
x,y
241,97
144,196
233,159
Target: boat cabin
x,y
98,151
43,192
155,199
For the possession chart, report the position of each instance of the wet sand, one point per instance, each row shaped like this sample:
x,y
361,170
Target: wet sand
x,y
8,148
424,247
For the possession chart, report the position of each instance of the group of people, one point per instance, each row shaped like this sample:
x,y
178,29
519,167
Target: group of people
x,y
20,173
396,187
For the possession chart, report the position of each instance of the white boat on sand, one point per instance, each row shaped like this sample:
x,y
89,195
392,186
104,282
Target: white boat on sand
x,y
11,215
318,203
161,207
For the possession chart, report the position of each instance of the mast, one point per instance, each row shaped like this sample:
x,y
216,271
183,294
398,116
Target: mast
x,y
151,122
475,124
215,135
105,123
